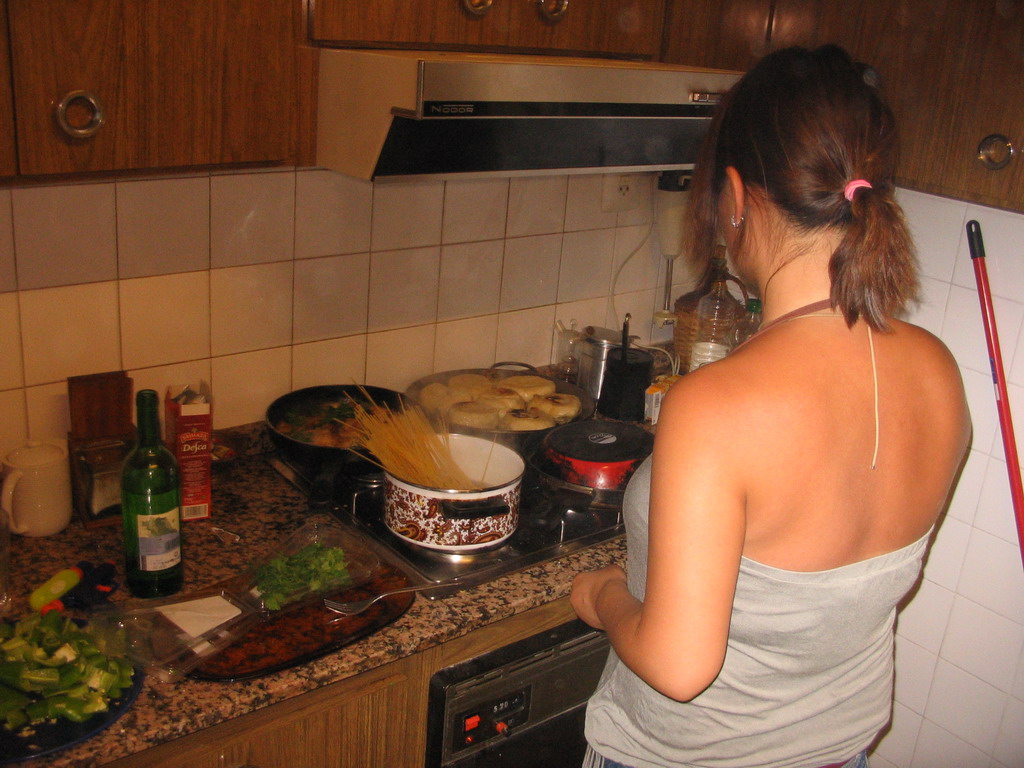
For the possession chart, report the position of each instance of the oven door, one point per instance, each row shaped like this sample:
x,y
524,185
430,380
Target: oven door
x,y
521,705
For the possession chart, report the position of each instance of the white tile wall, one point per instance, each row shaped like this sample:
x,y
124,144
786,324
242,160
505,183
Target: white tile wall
x,y
299,261
960,641
163,226
252,218
64,235
319,277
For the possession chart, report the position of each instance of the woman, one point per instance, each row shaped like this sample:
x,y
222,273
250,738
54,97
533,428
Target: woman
x,y
793,485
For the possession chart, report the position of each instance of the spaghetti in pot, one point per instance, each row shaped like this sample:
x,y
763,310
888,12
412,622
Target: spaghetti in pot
x,y
404,444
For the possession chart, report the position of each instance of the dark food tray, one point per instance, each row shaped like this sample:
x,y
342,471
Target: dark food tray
x,y
305,633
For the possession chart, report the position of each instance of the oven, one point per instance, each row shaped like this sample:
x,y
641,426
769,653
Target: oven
x,y
521,705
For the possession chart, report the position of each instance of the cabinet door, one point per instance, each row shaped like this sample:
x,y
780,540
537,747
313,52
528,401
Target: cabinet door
x,y
951,71
374,727
987,98
913,49
398,22
722,34
180,82
630,28
8,165
623,28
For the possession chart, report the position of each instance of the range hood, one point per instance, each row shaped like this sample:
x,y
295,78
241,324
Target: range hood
x,y
399,114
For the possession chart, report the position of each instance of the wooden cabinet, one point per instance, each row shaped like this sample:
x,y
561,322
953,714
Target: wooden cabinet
x,y
628,28
179,82
8,164
623,27
375,719
951,70
722,34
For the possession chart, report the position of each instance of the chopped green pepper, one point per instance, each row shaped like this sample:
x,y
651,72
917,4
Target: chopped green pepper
x,y
59,667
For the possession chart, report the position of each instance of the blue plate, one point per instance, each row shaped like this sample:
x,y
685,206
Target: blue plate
x,y
47,738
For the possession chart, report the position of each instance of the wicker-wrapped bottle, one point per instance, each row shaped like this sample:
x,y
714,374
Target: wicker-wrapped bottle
x,y
684,333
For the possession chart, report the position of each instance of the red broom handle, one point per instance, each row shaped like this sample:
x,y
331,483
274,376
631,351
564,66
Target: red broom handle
x,y
995,358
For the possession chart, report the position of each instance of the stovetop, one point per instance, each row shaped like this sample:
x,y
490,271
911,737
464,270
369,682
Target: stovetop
x,y
553,522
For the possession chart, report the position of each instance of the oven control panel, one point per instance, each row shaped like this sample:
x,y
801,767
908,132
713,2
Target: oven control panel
x,y
493,718
515,699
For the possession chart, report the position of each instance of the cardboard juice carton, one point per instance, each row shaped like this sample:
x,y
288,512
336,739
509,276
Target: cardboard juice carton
x,y
188,434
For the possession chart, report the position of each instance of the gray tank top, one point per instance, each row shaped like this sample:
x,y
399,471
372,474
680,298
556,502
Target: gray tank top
x,y
807,677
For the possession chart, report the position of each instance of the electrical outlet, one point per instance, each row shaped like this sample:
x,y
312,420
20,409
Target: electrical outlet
x,y
621,192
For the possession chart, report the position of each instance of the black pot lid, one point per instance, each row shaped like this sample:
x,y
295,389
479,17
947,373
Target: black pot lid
x,y
600,441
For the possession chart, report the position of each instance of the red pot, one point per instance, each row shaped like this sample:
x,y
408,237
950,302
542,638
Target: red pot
x,y
597,454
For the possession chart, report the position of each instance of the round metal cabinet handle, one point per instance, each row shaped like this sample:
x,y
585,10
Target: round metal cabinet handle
x,y
553,14
996,151
477,7
95,121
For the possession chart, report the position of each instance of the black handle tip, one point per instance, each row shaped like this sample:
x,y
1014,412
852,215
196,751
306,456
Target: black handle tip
x,y
975,243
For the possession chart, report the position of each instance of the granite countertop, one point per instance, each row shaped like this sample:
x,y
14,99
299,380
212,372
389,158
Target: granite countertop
x,y
251,500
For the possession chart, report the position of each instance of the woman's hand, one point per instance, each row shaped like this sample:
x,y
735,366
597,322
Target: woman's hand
x,y
586,588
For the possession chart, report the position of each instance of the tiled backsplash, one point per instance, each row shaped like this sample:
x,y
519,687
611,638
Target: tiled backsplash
x,y
265,282
268,281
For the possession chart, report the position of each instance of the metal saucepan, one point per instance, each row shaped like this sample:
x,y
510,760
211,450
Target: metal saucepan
x,y
514,440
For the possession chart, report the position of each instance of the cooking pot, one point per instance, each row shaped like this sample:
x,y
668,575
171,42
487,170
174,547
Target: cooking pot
x,y
498,372
458,520
596,454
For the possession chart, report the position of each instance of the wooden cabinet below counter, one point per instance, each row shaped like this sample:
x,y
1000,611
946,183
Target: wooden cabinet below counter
x,y
105,85
628,28
376,719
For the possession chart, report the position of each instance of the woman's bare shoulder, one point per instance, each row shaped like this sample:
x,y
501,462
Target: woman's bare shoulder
x,y
726,394
924,351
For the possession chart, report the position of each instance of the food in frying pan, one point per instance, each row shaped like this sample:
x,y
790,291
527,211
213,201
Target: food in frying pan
x,y
514,403
328,424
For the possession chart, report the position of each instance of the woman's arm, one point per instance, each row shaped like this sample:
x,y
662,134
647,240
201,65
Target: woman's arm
x,y
675,639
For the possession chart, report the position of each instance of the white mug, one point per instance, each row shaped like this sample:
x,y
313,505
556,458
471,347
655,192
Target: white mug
x,y
36,493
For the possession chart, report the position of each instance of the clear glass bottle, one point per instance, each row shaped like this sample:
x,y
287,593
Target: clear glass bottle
x,y
718,312
151,508
684,332
748,323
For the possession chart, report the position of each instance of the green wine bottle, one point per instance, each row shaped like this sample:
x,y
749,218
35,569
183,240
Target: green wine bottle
x,y
150,508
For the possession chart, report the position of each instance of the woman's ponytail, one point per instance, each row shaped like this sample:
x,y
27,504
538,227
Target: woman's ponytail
x,y
873,269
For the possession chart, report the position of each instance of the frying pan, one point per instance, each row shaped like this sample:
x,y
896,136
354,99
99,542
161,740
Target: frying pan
x,y
508,438
308,400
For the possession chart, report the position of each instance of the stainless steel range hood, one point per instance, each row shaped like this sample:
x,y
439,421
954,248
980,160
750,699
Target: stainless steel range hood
x,y
399,114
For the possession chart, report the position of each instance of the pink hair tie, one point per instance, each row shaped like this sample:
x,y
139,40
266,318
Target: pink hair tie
x,y
853,186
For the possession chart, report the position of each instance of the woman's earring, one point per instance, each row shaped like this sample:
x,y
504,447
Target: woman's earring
x,y
734,222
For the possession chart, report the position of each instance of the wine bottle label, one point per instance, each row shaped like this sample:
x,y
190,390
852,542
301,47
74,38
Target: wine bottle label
x,y
159,540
